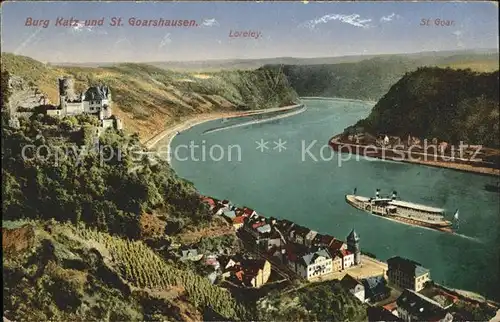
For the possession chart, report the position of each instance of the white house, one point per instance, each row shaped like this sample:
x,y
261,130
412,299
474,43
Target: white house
x,y
347,258
220,209
354,287
311,265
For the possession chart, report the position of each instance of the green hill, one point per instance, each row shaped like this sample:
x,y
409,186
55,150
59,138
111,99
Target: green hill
x,y
370,79
451,105
148,97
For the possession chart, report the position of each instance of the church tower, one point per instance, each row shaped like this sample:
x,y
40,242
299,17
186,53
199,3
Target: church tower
x,y
353,246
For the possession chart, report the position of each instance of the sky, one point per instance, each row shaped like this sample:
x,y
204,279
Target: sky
x,y
280,29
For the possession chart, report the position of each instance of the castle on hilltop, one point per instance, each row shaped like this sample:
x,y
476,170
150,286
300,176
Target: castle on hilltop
x,y
96,100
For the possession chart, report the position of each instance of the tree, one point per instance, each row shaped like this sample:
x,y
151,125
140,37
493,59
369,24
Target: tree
x,y
6,91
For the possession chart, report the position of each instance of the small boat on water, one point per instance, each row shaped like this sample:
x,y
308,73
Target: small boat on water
x,y
403,211
492,187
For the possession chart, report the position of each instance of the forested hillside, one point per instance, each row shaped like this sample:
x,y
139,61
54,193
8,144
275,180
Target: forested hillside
x,y
371,78
451,105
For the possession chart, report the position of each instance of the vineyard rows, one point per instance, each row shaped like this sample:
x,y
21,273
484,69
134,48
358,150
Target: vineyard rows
x,y
140,266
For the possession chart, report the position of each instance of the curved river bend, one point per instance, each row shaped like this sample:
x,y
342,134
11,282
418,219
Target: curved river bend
x,y
306,184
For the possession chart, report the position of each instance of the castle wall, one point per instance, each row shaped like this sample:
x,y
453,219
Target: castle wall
x,y
74,108
57,113
108,123
119,124
106,111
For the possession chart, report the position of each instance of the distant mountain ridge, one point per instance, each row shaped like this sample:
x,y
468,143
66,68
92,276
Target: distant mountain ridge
x,y
253,63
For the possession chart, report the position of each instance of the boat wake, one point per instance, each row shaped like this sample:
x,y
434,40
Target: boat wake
x,y
257,121
474,239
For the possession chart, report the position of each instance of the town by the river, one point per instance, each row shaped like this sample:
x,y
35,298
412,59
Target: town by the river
x,y
285,169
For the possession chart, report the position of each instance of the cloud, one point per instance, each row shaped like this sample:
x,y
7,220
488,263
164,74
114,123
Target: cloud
x,y
210,22
80,27
353,20
390,17
165,41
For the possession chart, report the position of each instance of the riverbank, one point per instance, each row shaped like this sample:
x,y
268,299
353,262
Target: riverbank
x,y
337,145
172,130
337,99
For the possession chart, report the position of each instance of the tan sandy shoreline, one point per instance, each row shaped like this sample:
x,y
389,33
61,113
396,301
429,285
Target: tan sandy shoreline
x,y
170,132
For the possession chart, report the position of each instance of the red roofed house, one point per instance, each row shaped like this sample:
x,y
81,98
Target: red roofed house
x,y
209,201
239,274
323,240
258,224
238,222
347,258
254,273
337,245
392,307
249,212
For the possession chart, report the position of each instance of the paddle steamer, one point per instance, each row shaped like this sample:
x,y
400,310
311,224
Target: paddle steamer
x,y
402,211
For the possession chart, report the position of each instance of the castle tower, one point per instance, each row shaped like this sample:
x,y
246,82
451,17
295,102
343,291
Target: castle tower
x,y
353,246
66,91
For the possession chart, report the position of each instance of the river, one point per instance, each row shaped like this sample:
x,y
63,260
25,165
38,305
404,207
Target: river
x,y
305,183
